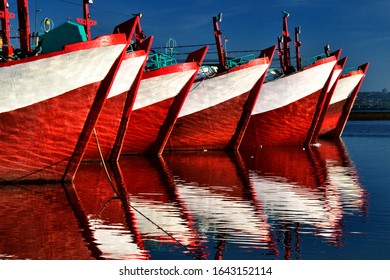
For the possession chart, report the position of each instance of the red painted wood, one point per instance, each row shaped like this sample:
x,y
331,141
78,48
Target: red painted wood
x,y
41,141
149,127
24,25
340,65
332,117
5,16
128,106
322,105
38,141
106,128
285,126
242,124
158,145
93,116
144,126
114,109
209,128
338,131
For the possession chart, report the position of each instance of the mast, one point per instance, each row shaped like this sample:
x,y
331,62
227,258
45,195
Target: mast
x,y
218,42
286,41
86,21
298,45
24,25
5,16
280,52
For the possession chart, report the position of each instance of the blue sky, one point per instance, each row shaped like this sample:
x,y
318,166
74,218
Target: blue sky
x,y
360,28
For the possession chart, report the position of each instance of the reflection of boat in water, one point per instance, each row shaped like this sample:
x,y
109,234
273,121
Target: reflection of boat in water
x,y
306,191
216,192
110,232
199,204
38,223
160,215
342,175
134,217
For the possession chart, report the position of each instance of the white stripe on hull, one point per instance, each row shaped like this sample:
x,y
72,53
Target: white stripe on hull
x,y
210,92
335,75
32,82
126,75
281,92
344,87
159,88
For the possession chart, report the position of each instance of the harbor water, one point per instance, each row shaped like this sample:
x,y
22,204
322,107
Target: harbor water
x,y
329,202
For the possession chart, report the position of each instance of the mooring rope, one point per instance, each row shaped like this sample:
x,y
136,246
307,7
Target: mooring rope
x,y
131,206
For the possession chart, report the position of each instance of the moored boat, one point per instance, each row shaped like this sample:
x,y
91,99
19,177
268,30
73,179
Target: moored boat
x,y
342,101
160,97
217,109
320,115
124,91
50,103
289,106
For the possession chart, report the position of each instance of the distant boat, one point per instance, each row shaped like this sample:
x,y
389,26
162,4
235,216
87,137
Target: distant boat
x,y
289,106
50,102
218,107
342,101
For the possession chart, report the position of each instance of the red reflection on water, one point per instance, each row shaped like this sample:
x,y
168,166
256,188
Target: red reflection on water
x,y
305,191
215,189
37,222
113,233
161,217
191,204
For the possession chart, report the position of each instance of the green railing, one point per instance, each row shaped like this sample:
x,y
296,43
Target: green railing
x,y
236,61
347,70
159,60
311,60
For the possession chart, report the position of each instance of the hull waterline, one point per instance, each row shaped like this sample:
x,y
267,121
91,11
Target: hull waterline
x,y
45,109
284,112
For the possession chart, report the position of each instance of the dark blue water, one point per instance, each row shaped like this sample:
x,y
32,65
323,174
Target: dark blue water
x,y
327,202
368,146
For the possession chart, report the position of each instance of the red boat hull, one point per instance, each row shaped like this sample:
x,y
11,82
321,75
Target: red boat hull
x,y
285,126
45,121
342,102
332,116
37,141
285,110
110,117
211,114
153,105
144,126
209,128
